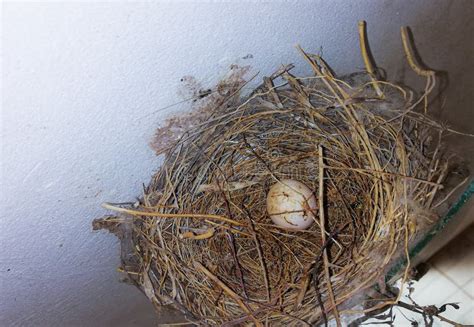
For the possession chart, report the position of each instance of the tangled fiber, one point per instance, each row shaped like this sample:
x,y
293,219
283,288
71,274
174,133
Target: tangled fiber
x,y
200,238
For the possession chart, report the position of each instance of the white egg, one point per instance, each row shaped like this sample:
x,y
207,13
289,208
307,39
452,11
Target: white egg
x,y
291,204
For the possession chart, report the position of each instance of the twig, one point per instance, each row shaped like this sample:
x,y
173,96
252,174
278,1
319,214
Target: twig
x,y
429,74
420,310
323,236
238,269
366,56
260,253
410,57
170,215
228,290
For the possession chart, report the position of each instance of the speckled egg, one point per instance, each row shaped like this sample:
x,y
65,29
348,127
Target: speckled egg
x,y
291,204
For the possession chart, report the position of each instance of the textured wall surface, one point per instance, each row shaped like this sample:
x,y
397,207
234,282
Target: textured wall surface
x,y
81,83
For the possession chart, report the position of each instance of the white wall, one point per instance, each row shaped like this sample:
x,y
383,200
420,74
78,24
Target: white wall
x,y
77,80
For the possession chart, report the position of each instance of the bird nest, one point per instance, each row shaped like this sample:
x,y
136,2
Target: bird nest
x,y
200,238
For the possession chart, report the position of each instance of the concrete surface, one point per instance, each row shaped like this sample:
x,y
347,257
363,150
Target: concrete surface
x,y
80,86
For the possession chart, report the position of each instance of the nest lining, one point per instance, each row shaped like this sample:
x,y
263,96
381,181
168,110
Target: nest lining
x,y
201,240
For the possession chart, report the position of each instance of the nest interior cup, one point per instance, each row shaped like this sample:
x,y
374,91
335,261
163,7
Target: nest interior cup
x,y
202,241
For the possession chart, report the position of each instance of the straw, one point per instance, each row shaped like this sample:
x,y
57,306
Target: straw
x,y
200,237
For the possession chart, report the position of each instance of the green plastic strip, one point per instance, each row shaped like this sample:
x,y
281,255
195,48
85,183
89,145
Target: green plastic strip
x,y
467,194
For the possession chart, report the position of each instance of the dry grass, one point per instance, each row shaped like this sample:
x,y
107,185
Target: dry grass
x,y
202,239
